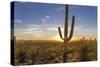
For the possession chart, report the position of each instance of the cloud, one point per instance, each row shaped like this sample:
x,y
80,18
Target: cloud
x,y
60,9
44,19
81,30
18,21
47,17
37,30
34,30
72,7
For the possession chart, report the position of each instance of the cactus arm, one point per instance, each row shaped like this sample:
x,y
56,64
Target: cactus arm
x,y
72,28
60,34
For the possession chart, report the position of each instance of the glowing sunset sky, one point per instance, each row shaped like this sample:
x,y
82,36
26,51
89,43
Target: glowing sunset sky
x,y
40,21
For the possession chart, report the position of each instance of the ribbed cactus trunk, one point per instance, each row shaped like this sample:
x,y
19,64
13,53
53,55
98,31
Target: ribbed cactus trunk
x,y
66,37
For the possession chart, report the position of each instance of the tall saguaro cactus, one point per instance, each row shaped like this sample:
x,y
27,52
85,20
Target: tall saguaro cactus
x,y
66,37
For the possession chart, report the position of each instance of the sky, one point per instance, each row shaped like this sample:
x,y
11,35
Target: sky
x,y
38,21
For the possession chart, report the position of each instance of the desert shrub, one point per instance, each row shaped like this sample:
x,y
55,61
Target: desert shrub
x,y
22,57
34,52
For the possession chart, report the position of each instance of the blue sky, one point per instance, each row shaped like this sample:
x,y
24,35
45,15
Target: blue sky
x,y
41,21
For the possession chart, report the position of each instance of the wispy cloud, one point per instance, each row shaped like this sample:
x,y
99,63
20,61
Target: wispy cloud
x,y
60,9
40,32
18,21
74,8
81,30
37,30
45,19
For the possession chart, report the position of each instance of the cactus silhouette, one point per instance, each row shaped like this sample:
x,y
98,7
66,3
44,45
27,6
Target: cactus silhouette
x,y
66,37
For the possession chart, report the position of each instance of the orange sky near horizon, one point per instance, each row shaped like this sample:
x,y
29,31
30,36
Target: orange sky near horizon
x,y
57,38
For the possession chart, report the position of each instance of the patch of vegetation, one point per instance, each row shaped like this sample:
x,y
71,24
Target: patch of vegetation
x,y
47,52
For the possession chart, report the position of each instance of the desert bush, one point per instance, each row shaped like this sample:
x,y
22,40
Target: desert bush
x,y
41,52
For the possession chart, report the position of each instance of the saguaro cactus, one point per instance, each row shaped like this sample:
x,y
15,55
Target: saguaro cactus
x,y
66,37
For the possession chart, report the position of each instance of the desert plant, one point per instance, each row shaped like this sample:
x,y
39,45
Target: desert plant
x,y
22,56
84,52
33,57
66,37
